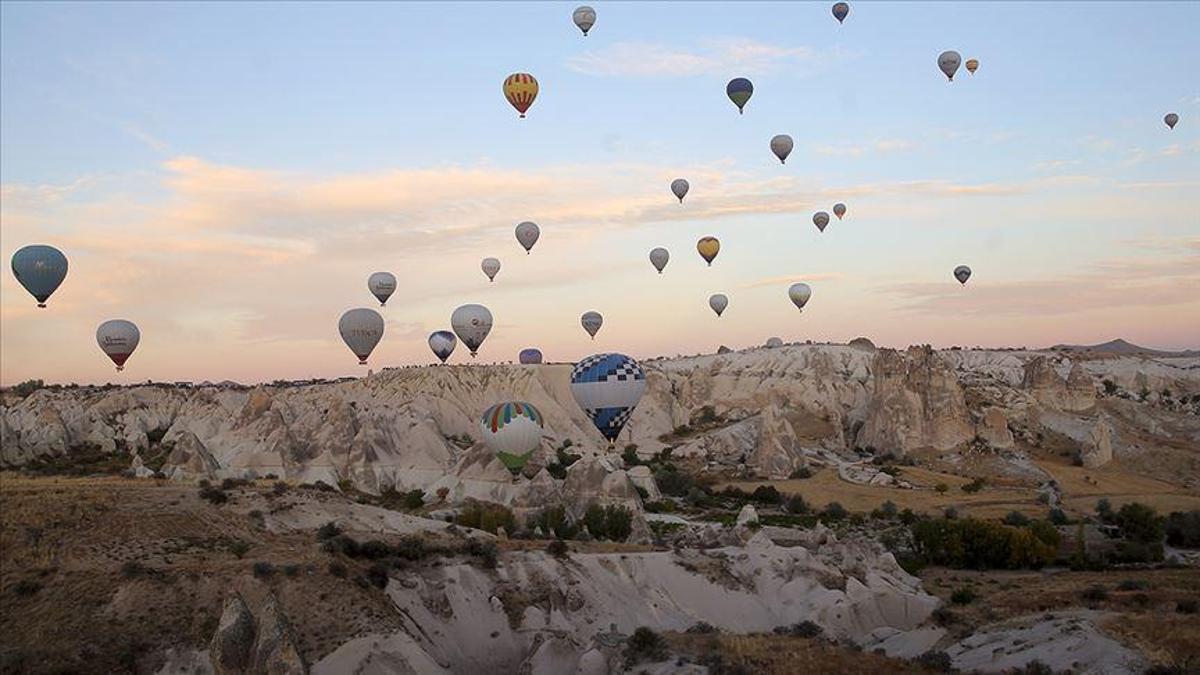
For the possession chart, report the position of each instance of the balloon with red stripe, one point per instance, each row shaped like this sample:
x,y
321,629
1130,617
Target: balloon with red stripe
x,y
521,89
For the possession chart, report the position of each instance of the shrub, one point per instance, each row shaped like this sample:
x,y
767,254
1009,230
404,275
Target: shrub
x,y
328,531
944,617
377,575
239,548
414,499
941,488
1110,387
1094,594
804,629
263,570
558,548
801,473
291,570
701,628
908,517
234,483
886,511
935,661
963,596
374,549
553,521
487,517
27,387
215,496
978,544
26,587
1104,510
766,494
950,513
1058,517
133,569
410,548
974,486
279,489
1187,606
671,481
1140,523
1132,585
338,569
1016,519
795,504
1183,529
644,645
834,511
630,456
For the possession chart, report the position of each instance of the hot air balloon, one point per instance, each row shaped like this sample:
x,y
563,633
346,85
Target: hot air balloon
x,y
820,219
118,338
799,293
839,210
680,187
591,322
527,235
774,343
442,343
718,302
584,17
948,62
781,145
739,91
962,273
1171,119
382,285
608,388
361,330
659,257
708,247
512,430
520,89
40,269
840,11
471,323
972,65
530,356
490,267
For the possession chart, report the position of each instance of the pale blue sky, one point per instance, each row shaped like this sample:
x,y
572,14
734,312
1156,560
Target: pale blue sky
x,y
196,127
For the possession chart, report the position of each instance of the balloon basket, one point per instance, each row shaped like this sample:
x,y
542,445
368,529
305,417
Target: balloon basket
x,y
41,305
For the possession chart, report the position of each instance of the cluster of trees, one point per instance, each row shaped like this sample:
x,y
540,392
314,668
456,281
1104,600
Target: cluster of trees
x,y
980,544
613,523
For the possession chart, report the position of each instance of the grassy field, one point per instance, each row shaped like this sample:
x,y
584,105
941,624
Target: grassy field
x,y
779,655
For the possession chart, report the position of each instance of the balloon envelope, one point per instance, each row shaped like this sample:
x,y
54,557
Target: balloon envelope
x,y
442,343
591,322
839,210
739,91
781,145
512,428
490,267
118,338
774,343
527,234
718,302
948,63
962,273
584,17
1171,119
972,65
361,330
40,269
679,187
382,285
708,247
530,356
799,293
471,323
608,388
520,89
840,11
820,219
659,258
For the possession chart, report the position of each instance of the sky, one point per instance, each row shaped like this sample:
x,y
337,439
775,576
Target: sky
x,y
227,176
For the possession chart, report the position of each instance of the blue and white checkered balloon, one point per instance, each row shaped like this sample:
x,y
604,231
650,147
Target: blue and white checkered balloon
x,y
608,388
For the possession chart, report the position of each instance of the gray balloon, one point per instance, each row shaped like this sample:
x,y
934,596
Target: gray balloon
x,y
1171,119
40,269
679,187
490,267
948,62
591,322
962,273
659,257
117,339
820,219
527,235
584,17
781,145
361,330
718,302
442,343
471,323
382,285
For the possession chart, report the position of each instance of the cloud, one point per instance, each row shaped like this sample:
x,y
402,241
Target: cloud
x,y
855,150
715,57
793,278
1053,164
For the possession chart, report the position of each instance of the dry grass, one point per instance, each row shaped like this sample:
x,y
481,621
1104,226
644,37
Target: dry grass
x,y
1082,488
779,655
825,487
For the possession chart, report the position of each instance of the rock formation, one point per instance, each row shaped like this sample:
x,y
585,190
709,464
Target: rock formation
x,y
993,429
1097,449
916,402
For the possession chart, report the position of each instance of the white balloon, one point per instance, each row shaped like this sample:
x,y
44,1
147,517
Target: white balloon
x,y
774,343
513,427
118,338
781,145
800,293
584,17
659,257
471,323
361,330
527,235
591,322
442,343
382,285
490,267
680,188
718,302
948,62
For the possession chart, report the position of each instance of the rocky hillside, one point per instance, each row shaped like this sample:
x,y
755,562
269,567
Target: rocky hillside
x,y
765,412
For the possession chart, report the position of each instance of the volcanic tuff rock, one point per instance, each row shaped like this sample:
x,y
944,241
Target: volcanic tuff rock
x,y
1097,449
770,411
993,429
